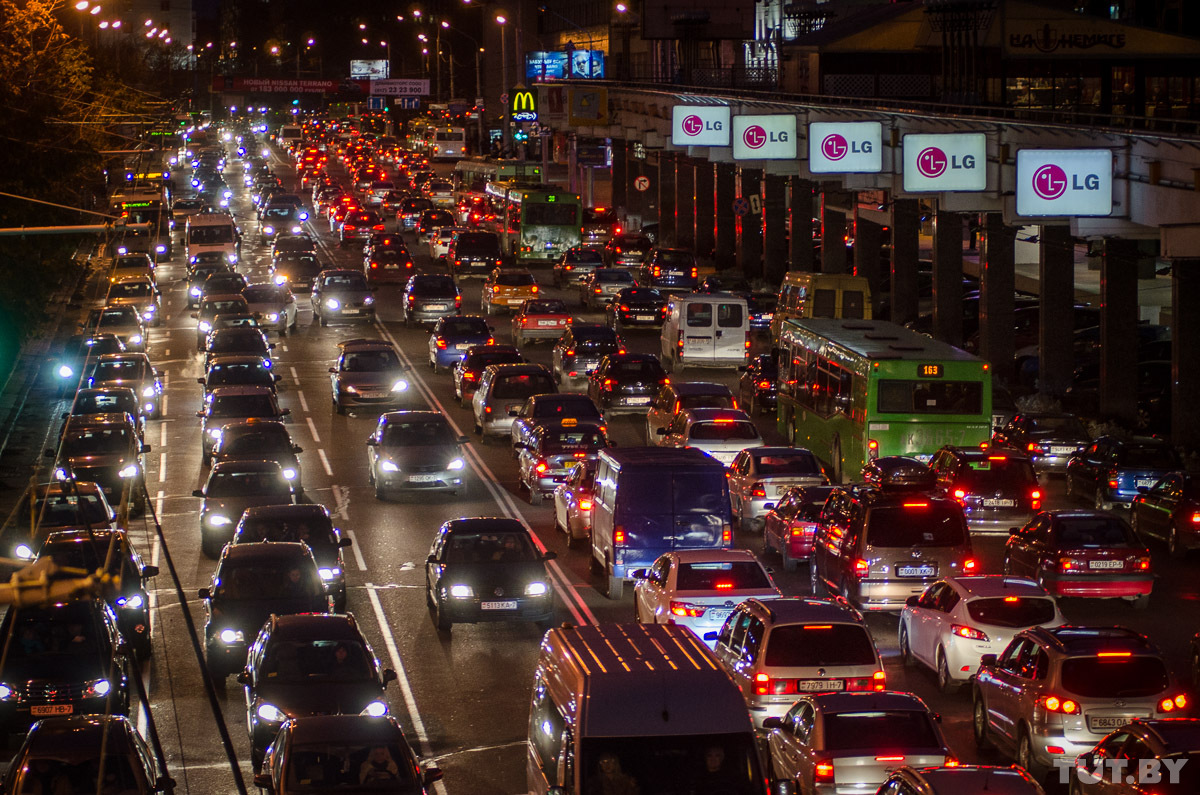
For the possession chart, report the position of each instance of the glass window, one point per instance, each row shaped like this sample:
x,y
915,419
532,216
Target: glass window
x,y
547,214
894,730
332,767
665,764
798,463
699,315
898,396
1011,611
296,662
819,645
925,523
512,387
824,303
730,315
400,433
1114,677
1092,531
721,576
497,547
723,431
248,484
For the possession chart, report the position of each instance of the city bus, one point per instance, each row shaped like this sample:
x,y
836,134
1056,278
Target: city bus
x,y
536,224
854,390
446,142
474,173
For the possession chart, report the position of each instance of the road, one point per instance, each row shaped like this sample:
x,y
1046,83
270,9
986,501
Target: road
x,y
463,696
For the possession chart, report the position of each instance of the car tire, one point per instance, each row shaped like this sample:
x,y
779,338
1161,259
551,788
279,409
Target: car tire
x,y
1025,757
440,619
616,587
324,322
1101,504
945,683
979,724
380,491
906,655
210,550
790,564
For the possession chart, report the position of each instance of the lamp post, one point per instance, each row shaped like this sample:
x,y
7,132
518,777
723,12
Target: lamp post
x,y
478,78
505,132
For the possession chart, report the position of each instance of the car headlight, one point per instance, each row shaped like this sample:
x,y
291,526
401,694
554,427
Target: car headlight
x,y
129,471
329,573
351,389
122,250
225,202
388,466
400,386
148,314
148,391
273,317
228,194
160,249
65,372
231,636
194,291
268,230
535,589
289,473
99,687
136,339
204,326
131,603
23,551
370,299
6,692
303,216
217,520
61,474
232,258
333,304
455,465
215,433
460,591
297,229
280,278
376,709
271,713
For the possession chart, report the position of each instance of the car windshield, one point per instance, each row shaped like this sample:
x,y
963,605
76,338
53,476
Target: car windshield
x,y
315,530
118,316
417,433
211,235
462,326
242,406
250,342
501,547
69,510
547,307
740,575
105,343
1011,611
997,474
331,766
1092,531
1136,676
214,308
918,522
584,255
128,370
720,764
1058,425
263,294
97,441
269,440
523,385
248,484
345,281
131,290
514,278
799,463
278,211
376,361
45,635
220,283
567,439
292,662
238,374
301,264
1149,457
104,402
260,579
636,368
723,431
808,645
891,730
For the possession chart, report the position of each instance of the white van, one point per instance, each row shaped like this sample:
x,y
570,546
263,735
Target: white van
x,y
213,232
706,330
647,703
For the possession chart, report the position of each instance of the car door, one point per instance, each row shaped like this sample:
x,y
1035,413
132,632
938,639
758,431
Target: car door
x,y
729,340
655,591
788,748
522,425
676,432
1005,686
1020,555
731,655
1154,516
659,413
699,329
739,478
922,624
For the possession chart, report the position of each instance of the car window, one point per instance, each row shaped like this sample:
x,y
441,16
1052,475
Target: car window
x,y
1011,611
918,522
510,387
1136,676
721,576
247,484
498,547
268,579
894,730
373,361
730,315
819,645
1092,531
723,431
295,662
699,315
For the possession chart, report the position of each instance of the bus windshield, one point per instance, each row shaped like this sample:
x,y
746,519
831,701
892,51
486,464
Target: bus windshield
x,y
211,235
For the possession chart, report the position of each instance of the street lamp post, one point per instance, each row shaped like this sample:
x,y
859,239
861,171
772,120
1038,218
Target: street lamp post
x,y
505,132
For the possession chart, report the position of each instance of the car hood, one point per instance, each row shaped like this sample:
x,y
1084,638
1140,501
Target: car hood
x,y
496,579
381,379
321,697
267,306
97,461
249,615
60,668
232,507
419,455
137,385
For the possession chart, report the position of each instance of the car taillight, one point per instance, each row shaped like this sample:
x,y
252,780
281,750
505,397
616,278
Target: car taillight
x,y
758,490
412,299
1035,497
1142,564
873,449
960,494
1069,564
379,228
747,340
823,771
535,289
657,271
458,302
969,566
1064,706
524,322
1033,448
569,352
1196,518
542,466
764,384
950,762
679,342
861,568
695,272
624,308
618,536
469,376
727,535
374,264
762,684
608,384
348,227
585,505
490,341
687,610
1171,704
441,343
1113,479
970,633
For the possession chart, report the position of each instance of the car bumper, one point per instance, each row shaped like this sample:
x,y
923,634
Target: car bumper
x,y
525,608
449,357
371,399
19,717
419,314
1101,586
627,404
890,595
226,658
499,426
692,360
366,314
423,481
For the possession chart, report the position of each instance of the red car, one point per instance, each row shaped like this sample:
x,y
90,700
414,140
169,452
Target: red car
x,y
789,527
1082,553
540,319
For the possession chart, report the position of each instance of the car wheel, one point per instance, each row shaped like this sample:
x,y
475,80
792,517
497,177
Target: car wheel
x,y
210,548
1174,548
1100,504
945,683
324,322
338,408
479,429
906,656
380,491
616,587
789,563
979,724
256,759
1025,757
814,580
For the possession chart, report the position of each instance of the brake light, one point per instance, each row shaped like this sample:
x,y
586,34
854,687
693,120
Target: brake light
x,y
618,536
1196,518
348,227
441,343
861,568
1113,480
916,505
657,271
608,382
747,340
873,448
1143,564
695,272
764,384
374,264
727,535
541,467
535,289
889,759
723,586
1033,448
688,610
823,771
624,308
679,342
758,490
951,762
585,505
879,679
1067,564
960,494
970,633
469,376
569,352
762,684
490,341
1064,706
457,299
969,566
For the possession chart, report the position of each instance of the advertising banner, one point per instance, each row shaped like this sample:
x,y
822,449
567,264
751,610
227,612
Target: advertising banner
x,y
764,137
955,162
700,125
845,147
1064,182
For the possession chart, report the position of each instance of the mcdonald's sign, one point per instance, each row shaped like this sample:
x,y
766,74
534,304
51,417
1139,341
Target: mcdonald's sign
x,y
524,105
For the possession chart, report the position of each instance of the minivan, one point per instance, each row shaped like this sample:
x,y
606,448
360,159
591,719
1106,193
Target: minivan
x,y
836,295
706,330
651,500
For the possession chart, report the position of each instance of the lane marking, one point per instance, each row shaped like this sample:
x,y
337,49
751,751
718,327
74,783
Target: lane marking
x,y
166,352
162,467
151,610
295,375
303,401
324,461
359,560
162,409
162,436
312,428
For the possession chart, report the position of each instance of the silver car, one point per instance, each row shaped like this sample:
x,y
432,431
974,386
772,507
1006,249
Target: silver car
x,y
502,391
232,487
1144,740
960,779
273,304
760,476
414,451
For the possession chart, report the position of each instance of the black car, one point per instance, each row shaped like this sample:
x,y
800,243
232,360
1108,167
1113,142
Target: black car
x,y
626,382
210,307
223,283
309,524
90,550
237,340
428,297
61,659
261,440
474,254
58,505
414,451
106,400
309,665
636,306
105,449
83,351
251,583
469,369
758,384
342,294
627,250
200,271
487,569
296,269
997,490
670,268
238,370
580,350
1049,439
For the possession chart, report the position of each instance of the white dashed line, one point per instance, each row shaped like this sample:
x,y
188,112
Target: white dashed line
x,y
303,402
162,408
358,555
325,462
312,428
162,467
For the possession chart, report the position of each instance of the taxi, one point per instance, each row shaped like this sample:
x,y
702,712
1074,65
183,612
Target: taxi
x,y
507,289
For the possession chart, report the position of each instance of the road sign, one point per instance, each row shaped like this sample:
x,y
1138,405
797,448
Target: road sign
x,y
755,204
642,183
400,88
504,99
375,103
408,103
741,206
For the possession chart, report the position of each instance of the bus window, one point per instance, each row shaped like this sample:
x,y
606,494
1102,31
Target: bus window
x,y
551,214
824,303
930,397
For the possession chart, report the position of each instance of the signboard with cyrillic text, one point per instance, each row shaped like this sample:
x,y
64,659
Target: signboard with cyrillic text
x,y
400,88
764,137
700,125
1064,182
953,162
845,147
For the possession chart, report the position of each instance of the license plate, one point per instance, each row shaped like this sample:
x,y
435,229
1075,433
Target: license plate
x,y
644,317
1145,483
462,346
638,401
351,311
436,307
990,503
547,322
423,478
516,301
820,685
1106,564
390,266
570,465
916,571
718,615
498,605
1061,450
1110,722
52,709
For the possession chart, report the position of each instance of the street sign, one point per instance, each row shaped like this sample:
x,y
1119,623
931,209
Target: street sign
x,y
755,204
408,103
642,183
375,103
400,88
741,206
504,99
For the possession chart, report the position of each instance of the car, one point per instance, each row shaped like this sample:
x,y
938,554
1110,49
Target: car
x,y
439,244
223,283
474,253
368,374
549,454
414,451
251,583
346,751
236,340
212,305
139,292
469,368
670,269
1053,693
1169,511
429,297
108,400
132,370
698,588
233,320
957,620
238,370
503,390
224,405
309,524
626,382
232,487
996,489
602,285
65,657
1111,470
540,319
342,294
106,449
274,306
314,664
296,269
58,505
359,225
778,649
431,221
790,525
487,569
123,321
636,306
132,266
303,243
453,335
551,409
575,264
758,384
1049,439
391,264
579,351
409,214
673,398
80,359
278,216
67,754
1142,744
1082,553
955,779
507,289
573,503
261,440
760,476
627,250
721,433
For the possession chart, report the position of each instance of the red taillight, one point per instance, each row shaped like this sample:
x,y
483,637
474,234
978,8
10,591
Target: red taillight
x,y
657,271
758,490
679,342
970,633
687,610
960,494
1062,705
889,759
535,289
348,227
469,376
879,680
747,340
861,568
1196,518
374,264
1069,564
490,341
585,505
1143,564
379,228
727,535
1033,448
764,384
608,382
969,566
1171,704
541,467
762,684
823,771
441,343
458,302
618,536
569,352
695,272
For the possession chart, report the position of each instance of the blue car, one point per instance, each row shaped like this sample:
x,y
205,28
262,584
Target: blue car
x,y
1110,470
453,335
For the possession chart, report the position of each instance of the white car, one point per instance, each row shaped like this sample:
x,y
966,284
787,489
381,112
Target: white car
x,y
439,246
722,433
760,476
957,620
699,588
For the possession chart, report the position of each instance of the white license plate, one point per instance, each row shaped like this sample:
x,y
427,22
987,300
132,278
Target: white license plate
x,y
498,605
423,478
1060,450
916,571
436,307
638,401
52,709
547,322
351,311
819,685
644,317
462,346
1106,564
718,615
1145,483
1110,722
991,503
516,301
390,266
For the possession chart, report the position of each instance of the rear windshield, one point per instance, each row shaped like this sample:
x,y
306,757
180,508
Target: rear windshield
x,y
248,484
263,294
482,360
614,276
584,255
1002,475
477,242
806,645
549,307
667,257
463,325
788,464
723,431
1064,426
641,294
438,286
517,279
1150,457
269,440
415,205
1011,611
721,576
593,339
573,439
898,396
637,368
584,409
706,402
922,523
509,387
1091,531
1115,677
894,730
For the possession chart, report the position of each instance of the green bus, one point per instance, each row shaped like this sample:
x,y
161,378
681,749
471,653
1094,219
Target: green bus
x,y
536,224
854,390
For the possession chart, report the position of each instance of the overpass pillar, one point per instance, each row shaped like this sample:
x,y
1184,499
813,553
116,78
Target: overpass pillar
x,y
620,177
1185,341
800,253
906,250
947,278
726,238
705,205
868,241
833,232
775,247
997,283
1056,275
666,198
635,168
1118,328
685,202
750,246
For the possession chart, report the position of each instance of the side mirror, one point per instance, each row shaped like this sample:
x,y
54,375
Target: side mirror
x,y
194,315
149,571
987,661
637,574
464,439
345,542
431,559
333,369
389,675
913,601
198,493
660,431
431,775
772,723
285,412
166,784
277,378
200,381
371,441
551,555
263,781
204,593
297,449
243,678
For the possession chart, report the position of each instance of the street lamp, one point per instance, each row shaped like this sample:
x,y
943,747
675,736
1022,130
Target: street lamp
x,y
505,132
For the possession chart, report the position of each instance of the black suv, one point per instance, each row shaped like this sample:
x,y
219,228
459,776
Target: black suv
x,y
997,490
626,382
106,449
580,350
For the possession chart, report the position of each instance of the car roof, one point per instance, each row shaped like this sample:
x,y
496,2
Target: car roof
x,y
868,702
986,585
803,610
364,344
396,416
345,728
713,555
76,421
263,550
322,626
485,524
707,415
245,465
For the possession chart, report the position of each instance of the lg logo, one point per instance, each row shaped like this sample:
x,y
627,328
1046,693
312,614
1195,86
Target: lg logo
x,y
754,137
835,147
932,162
1050,182
693,125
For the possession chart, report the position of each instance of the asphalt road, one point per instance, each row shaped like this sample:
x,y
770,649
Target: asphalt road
x,y
463,697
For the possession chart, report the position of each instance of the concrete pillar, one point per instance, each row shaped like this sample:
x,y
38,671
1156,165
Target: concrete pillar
x,y
652,168
1185,341
750,245
800,253
947,278
635,168
706,203
868,239
726,239
775,246
833,232
906,251
1056,275
997,282
666,198
620,179
685,202
1118,328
